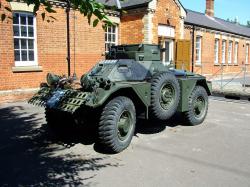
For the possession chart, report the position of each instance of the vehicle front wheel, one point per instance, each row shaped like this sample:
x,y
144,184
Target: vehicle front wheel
x,y
165,96
197,106
117,124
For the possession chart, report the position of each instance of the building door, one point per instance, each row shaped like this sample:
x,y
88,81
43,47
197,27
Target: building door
x,y
183,51
169,48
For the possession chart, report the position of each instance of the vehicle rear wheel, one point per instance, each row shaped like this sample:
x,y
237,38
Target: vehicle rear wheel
x,y
197,106
165,96
117,124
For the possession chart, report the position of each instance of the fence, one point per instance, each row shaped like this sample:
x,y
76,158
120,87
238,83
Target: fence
x,y
225,76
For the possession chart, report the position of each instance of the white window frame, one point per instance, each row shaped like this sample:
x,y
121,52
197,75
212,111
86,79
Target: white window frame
x,y
230,50
116,36
236,48
35,61
223,52
198,54
216,51
247,53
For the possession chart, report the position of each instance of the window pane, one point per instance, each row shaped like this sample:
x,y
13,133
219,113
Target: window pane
x,y
109,29
109,37
31,55
24,55
17,55
16,30
31,31
113,29
30,20
23,19
113,37
31,44
106,37
23,44
16,44
15,19
23,31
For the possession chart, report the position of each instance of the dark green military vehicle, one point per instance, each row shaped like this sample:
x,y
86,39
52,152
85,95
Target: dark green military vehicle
x,y
131,81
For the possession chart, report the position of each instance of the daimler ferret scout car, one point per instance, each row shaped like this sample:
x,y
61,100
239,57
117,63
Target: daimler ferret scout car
x,y
130,82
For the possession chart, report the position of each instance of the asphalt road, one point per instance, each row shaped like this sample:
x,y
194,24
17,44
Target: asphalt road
x,y
216,153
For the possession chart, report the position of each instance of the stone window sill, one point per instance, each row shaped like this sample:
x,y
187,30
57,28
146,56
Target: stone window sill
x,y
198,65
20,69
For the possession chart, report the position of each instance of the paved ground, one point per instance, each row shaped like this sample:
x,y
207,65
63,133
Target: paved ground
x,y
215,153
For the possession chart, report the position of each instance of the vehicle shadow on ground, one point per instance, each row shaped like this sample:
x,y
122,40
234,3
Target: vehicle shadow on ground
x,y
31,156
144,126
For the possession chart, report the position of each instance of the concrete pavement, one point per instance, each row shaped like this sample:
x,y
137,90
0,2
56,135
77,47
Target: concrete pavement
x,y
215,153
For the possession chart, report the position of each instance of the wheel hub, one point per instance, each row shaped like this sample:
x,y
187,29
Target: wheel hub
x,y
167,96
199,106
124,125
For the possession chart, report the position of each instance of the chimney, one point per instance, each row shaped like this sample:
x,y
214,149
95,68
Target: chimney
x,y
210,8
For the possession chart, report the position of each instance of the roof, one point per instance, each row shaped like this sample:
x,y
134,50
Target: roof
x,y
126,3
203,20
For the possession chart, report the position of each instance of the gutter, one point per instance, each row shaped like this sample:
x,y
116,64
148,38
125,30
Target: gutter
x,y
135,6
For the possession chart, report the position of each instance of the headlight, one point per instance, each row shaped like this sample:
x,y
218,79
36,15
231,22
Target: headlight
x,y
52,79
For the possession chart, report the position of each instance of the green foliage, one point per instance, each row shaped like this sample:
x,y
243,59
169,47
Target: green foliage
x,y
88,8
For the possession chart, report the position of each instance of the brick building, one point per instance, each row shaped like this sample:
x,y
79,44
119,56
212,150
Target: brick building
x,y
31,47
217,43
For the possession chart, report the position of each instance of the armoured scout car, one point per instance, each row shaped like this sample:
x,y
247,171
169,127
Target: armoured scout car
x,y
130,82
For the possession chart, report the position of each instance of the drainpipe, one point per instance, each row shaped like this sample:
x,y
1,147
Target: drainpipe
x,y
193,29
118,4
68,37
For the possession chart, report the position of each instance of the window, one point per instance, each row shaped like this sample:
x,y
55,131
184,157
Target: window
x,y
216,51
236,52
198,50
247,53
223,52
24,39
230,48
111,37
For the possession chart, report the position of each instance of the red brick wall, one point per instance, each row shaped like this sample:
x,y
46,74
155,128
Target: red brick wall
x,y
52,50
131,26
131,29
167,13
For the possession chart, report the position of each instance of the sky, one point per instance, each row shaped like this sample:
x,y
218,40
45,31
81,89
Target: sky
x,y
223,8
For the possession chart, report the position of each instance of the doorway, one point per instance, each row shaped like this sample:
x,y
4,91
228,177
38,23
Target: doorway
x,y
168,53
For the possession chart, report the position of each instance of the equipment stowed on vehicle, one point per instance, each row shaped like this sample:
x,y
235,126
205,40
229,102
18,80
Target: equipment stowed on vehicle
x,y
131,81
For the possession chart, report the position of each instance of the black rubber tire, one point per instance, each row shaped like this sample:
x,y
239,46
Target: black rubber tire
x,y
192,118
108,133
158,81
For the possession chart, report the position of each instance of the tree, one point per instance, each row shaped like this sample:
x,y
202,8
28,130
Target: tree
x,y
87,8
